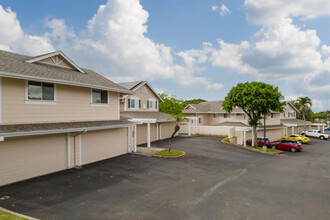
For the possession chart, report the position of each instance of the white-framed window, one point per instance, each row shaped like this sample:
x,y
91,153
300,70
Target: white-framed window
x,y
40,93
99,97
134,102
200,120
272,115
215,115
291,114
282,115
226,115
152,104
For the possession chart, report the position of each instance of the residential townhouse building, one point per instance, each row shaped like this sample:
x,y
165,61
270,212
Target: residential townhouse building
x,y
143,107
277,124
55,115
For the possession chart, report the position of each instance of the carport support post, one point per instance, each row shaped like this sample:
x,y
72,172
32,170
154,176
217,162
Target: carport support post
x,y
69,149
79,137
244,138
323,128
189,125
148,143
292,130
157,131
286,131
135,138
160,131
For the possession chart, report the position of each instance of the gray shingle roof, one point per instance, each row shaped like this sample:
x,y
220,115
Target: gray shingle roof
x,y
130,85
295,121
159,116
5,130
210,107
14,65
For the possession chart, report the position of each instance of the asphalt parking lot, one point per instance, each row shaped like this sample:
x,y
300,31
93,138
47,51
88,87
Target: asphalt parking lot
x,y
214,181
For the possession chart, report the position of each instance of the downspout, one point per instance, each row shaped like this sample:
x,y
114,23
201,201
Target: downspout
x,y
74,139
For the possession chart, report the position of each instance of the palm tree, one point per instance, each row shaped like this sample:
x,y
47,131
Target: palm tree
x,y
304,103
177,119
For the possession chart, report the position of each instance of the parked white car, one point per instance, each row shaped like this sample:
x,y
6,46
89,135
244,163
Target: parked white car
x,y
316,133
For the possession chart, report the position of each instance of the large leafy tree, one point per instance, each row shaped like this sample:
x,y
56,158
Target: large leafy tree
x,y
304,102
174,106
256,99
171,105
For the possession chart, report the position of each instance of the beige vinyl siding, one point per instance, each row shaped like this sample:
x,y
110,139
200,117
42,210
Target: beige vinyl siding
x,y
27,157
141,134
104,144
167,129
144,98
72,104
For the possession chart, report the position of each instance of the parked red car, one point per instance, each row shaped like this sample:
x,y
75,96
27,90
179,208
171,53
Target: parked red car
x,y
285,144
260,141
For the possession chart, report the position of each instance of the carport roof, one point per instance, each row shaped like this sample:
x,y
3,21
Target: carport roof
x,y
235,124
62,127
295,121
159,116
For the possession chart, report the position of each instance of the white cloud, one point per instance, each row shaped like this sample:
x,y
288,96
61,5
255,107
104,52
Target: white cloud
x,y
12,37
214,7
224,10
114,43
277,50
264,12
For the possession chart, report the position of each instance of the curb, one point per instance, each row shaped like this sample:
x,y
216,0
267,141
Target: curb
x,y
17,214
258,151
172,157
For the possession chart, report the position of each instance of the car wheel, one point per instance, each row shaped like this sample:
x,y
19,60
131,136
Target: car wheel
x,y
300,141
322,137
293,149
248,143
274,147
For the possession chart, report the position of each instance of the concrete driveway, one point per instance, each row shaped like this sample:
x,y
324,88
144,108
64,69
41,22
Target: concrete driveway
x,y
214,181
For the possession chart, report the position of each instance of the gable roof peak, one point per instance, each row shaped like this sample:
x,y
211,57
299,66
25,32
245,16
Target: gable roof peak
x,y
54,57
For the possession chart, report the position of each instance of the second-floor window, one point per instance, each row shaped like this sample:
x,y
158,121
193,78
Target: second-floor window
x,y
41,91
99,97
291,114
152,104
272,115
134,102
215,115
283,115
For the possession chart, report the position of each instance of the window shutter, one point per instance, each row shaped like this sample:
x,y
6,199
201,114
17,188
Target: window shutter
x,y
147,104
156,104
129,103
139,103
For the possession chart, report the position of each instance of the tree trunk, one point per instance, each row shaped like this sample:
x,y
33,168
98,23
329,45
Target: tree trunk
x,y
176,129
305,123
264,129
255,136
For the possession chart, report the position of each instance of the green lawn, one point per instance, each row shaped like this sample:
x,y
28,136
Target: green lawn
x,y
165,153
269,150
7,216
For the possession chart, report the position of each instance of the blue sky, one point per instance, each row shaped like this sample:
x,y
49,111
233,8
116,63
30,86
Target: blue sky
x,y
187,48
